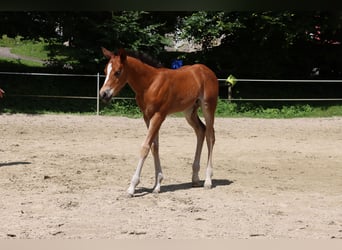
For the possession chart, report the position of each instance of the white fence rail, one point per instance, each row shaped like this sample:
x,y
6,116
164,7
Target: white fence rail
x,y
98,76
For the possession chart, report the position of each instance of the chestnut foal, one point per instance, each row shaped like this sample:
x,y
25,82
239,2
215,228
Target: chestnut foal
x,y
159,92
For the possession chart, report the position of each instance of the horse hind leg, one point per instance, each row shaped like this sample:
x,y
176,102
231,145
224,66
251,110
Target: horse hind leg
x,y
158,170
199,128
208,109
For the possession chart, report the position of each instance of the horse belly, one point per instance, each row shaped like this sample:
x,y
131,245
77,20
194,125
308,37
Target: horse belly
x,y
184,97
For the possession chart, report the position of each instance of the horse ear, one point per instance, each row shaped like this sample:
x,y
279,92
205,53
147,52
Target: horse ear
x,y
108,54
123,55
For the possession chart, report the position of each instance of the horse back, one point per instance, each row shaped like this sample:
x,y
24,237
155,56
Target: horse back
x,y
182,87
203,77
190,74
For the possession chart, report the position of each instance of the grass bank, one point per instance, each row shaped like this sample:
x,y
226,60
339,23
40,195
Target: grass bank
x,y
128,108
276,110
37,50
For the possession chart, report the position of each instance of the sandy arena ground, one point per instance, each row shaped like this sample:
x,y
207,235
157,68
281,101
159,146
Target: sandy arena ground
x,y
65,176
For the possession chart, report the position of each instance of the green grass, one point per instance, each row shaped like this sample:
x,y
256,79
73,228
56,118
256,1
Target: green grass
x,y
128,108
229,109
34,50
22,62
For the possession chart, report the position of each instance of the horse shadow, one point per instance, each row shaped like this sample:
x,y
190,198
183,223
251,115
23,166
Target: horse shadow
x,y
181,186
14,163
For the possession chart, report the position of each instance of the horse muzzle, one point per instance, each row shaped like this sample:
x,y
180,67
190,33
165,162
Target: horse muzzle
x,y
106,95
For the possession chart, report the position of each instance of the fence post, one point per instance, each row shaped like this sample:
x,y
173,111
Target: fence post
x,y
98,95
229,92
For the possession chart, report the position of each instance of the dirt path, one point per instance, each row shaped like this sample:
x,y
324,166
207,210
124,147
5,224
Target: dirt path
x,y
66,176
6,52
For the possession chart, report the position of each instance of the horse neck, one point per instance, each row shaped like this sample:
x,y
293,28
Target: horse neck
x,y
140,75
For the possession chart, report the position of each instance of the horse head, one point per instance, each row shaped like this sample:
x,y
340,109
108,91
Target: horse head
x,y
115,74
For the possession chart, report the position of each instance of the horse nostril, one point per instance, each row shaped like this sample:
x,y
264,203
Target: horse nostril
x,y
106,95
103,95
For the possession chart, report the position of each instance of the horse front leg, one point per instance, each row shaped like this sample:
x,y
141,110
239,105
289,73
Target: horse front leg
x,y
153,128
155,152
136,177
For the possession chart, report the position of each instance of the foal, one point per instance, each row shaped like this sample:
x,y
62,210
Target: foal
x,y
159,92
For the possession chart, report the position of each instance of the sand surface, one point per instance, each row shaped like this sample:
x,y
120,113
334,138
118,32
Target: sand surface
x,y
65,177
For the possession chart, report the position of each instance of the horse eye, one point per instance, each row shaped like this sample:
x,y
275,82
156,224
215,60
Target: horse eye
x,y
117,73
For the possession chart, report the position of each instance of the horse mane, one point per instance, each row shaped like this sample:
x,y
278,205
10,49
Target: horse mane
x,y
145,58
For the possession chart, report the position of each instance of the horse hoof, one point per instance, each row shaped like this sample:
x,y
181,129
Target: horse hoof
x,y
196,184
130,192
207,186
129,195
156,191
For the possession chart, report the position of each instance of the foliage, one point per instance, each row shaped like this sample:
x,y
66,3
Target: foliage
x,y
131,30
28,24
242,43
203,27
281,29
264,44
122,108
87,32
74,38
286,44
